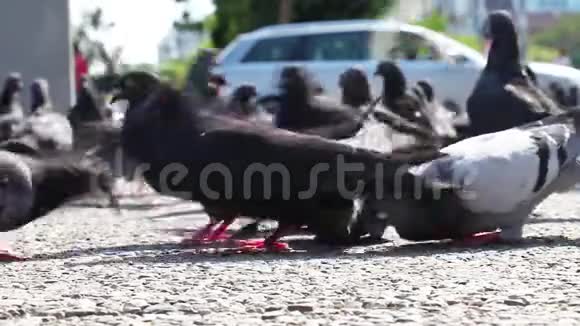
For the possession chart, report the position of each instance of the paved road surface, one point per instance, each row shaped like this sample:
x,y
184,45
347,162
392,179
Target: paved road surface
x,y
91,266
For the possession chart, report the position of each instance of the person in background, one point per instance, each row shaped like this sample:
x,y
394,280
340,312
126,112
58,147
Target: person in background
x,y
563,58
81,66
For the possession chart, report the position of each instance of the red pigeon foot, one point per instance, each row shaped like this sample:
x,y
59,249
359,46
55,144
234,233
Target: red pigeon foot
x,y
259,246
200,237
220,232
7,256
480,239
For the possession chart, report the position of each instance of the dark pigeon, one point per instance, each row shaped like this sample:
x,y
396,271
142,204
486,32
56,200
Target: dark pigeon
x,y
505,96
11,110
303,111
413,113
86,109
31,188
40,100
356,90
243,105
159,115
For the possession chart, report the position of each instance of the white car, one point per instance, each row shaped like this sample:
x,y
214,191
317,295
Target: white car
x,y
329,48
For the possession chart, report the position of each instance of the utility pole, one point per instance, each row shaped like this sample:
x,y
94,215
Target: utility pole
x,y
285,11
523,24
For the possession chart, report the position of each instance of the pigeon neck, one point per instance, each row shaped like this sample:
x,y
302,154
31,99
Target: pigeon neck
x,y
8,97
355,100
393,90
39,103
245,108
293,102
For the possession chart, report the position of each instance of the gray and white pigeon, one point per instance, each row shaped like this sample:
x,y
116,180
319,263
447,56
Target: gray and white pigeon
x,y
486,183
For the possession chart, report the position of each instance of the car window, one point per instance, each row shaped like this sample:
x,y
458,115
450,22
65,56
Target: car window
x,y
403,46
273,49
337,46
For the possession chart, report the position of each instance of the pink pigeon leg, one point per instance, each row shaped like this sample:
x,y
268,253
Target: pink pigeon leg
x,y
480,239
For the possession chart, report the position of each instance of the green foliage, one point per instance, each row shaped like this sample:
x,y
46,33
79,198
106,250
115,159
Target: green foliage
x,y
538,52
175,71
564,35
439,23
436,21
471,41
240,16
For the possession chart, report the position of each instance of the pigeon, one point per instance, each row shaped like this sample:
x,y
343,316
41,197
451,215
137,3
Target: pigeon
x,y
395,95
386,131
212,158
86,109
356,90
505,96
302,110
31,188
415,106
45,131
483,189
40,100
244,105
556,91
441,120
558,94
93,133
11,111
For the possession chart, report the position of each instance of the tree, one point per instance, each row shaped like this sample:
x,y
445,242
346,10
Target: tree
x,y
565,35
240,16
88,35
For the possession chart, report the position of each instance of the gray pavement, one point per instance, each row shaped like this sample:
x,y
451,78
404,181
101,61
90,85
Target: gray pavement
x,y
91,266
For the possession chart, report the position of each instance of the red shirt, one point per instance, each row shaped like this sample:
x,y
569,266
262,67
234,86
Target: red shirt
x,y
81,69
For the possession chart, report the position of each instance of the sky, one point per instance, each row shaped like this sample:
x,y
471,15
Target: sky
x,y
139,24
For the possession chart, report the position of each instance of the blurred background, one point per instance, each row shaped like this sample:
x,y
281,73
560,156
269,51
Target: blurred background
x,y
166,36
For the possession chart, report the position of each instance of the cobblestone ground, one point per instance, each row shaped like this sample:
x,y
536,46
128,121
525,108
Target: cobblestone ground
x,y
90,266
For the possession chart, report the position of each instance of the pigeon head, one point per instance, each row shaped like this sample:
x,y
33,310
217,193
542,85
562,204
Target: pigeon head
x,y
39,92
244,99
13,85
245,93
497,23
297,80
16,192
394,82
136,86
356,90
504,53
